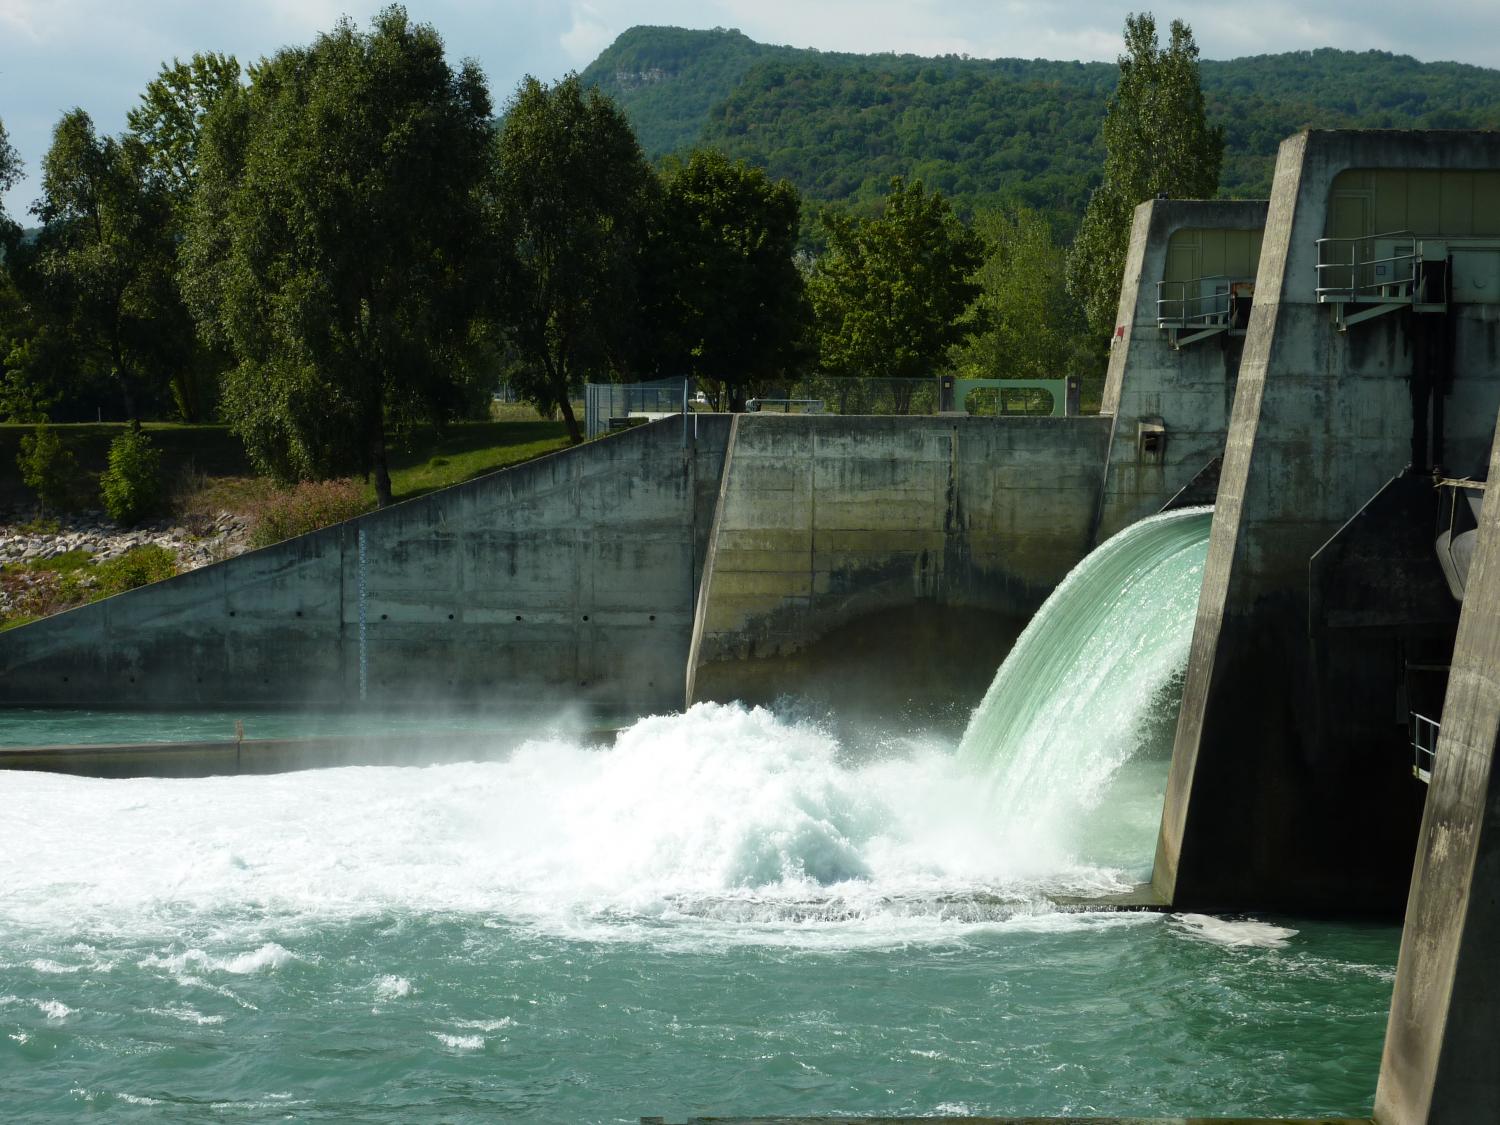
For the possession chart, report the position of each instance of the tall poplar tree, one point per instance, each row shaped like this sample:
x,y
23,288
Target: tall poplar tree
x,y
574,194
1157,142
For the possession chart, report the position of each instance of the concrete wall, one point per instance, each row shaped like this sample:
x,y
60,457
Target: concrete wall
x,y
1444,1030
1267,807
570,578
825,521
1189,390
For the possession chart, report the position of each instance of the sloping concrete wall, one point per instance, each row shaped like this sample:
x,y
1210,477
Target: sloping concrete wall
x,y
826,520
1444,1032
567,579
1190,390
1267,807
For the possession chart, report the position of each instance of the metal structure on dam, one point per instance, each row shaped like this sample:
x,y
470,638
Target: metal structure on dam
x,y
1323,367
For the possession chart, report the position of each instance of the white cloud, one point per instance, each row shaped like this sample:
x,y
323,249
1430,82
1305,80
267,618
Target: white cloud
x,y
586,36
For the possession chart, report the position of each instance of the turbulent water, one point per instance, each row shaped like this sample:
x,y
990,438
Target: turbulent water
x,y
726,912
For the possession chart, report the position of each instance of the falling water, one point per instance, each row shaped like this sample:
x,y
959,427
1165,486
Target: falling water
x,y
1093,686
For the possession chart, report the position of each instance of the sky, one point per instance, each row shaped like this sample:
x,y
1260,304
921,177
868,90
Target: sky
x,y
99,54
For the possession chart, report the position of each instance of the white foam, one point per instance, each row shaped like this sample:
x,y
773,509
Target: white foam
x,y
1236,933
269,956
54,1010
186,1015
137,1099
460,1042
729,822
43,965
392,988
487,1025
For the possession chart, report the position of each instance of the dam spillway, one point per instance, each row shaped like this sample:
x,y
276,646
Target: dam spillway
x,y
1094,680
729,910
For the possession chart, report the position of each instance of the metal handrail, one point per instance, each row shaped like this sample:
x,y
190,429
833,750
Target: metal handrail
x,y
1424,740
1217,311
1374,290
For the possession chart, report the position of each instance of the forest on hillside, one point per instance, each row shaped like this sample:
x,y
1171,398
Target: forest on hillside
x,y
988,132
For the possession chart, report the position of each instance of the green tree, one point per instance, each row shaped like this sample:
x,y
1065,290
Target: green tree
x,y
168,123
890,294
10,172
1024,324
574,194
106,258
727,300
17,399
337,246
47,467
169,120
1157,142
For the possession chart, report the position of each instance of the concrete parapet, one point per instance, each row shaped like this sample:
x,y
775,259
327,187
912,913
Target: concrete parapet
x,y
1267,806
1189,390
826,520
571,578
1441,1043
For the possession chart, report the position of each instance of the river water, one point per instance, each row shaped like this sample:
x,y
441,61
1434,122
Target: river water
x,y
729,911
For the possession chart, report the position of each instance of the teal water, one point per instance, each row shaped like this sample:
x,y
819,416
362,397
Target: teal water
x,y
42,727
729,911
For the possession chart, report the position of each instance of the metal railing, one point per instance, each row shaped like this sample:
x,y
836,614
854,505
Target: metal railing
x,y
786,405
1186,305
1370,267
1424,740
844,395
613,405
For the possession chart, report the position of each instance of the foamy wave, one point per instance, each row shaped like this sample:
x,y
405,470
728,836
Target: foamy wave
x,y
1224,931
54,1009
91,1096
392,988
186,1015
43,965
460,1042
268,956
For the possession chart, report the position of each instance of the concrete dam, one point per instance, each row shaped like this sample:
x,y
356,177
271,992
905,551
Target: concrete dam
x,y
1322,368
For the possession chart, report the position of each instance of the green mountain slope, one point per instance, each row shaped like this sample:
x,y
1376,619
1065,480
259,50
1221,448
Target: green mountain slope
x,y
985,130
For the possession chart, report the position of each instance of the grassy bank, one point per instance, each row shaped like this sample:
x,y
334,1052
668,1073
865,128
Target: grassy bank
x,y
209,462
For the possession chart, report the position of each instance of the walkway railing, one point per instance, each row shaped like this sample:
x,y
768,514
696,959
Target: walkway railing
x,y
1198,303
1424,740
1370,267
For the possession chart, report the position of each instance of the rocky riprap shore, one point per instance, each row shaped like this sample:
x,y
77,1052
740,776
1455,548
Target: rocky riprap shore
x,y
196,542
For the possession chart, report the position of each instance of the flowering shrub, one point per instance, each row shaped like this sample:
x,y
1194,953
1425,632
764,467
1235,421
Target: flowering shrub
x,y
305,507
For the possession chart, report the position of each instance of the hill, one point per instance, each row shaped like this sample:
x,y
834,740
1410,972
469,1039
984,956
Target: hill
x,y
988,130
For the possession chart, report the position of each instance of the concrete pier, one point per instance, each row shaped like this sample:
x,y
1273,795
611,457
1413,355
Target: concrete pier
x,y
1443,1038
1267,806
1171,404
